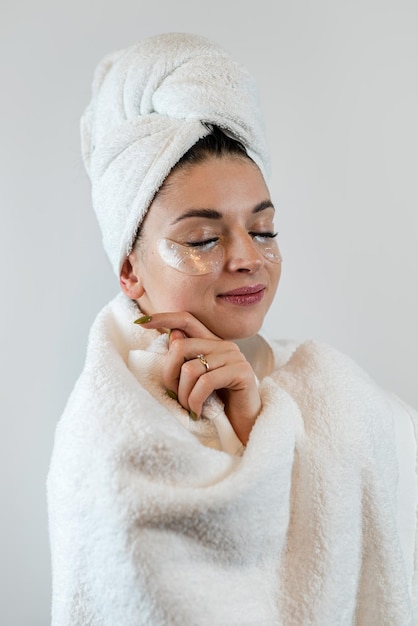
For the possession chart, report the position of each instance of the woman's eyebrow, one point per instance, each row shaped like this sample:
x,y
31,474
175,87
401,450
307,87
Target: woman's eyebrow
x,y
208,213
266,204
216,215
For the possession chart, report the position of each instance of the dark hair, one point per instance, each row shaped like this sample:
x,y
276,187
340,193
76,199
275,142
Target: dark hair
x,y
217,143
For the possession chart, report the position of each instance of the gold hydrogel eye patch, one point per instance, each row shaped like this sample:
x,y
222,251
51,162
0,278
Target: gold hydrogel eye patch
x,y
191,260
268,247
208,258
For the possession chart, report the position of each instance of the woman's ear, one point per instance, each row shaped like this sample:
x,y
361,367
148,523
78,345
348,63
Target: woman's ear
x,y
129,279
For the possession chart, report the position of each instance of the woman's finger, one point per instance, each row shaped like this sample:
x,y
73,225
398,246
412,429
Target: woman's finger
x,y
237,378
191,371
182,351
186,322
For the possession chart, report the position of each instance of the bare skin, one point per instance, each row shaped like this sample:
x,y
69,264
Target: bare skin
x,y
205,312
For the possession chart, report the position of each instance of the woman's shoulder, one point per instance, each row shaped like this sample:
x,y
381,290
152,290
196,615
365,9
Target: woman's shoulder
x,y
308,353
326,370
323,371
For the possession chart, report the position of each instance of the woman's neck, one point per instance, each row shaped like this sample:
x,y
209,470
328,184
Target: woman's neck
x,y
258,353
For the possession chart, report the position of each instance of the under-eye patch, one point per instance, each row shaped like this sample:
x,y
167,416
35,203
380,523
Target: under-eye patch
x,y
207,256
267,245
191,259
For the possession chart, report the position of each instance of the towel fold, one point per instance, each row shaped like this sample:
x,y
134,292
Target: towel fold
x,y
150,103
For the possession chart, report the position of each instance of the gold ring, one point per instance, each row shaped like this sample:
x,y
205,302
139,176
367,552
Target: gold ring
x,y
203,361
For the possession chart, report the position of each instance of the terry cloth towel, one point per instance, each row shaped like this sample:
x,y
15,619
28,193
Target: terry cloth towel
x,y
150,527
150,103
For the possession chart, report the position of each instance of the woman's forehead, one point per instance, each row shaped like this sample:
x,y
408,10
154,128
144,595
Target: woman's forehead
x,y
212,189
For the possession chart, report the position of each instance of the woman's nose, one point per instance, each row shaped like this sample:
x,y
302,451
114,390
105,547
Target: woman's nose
x,y
242,254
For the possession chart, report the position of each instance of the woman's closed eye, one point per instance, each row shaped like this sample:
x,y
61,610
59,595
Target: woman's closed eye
x,y
264,235
209,243
204,244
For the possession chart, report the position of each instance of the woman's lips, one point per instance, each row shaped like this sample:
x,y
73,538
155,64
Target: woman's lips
x,y
244,295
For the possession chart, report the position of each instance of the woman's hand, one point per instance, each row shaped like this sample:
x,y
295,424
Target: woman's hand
x,y
229,373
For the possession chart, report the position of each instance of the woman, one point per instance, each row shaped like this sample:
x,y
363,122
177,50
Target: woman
x,y
202,474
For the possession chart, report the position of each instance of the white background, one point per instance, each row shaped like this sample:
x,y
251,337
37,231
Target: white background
x,y
338,85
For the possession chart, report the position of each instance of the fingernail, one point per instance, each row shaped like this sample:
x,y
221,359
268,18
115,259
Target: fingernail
x,y
171,394
193,416
143,320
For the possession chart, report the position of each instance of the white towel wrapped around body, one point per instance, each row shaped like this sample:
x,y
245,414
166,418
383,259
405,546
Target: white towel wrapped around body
x,y
151,103
151,527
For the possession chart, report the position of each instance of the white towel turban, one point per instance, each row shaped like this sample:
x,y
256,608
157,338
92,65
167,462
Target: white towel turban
x,y
150,103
